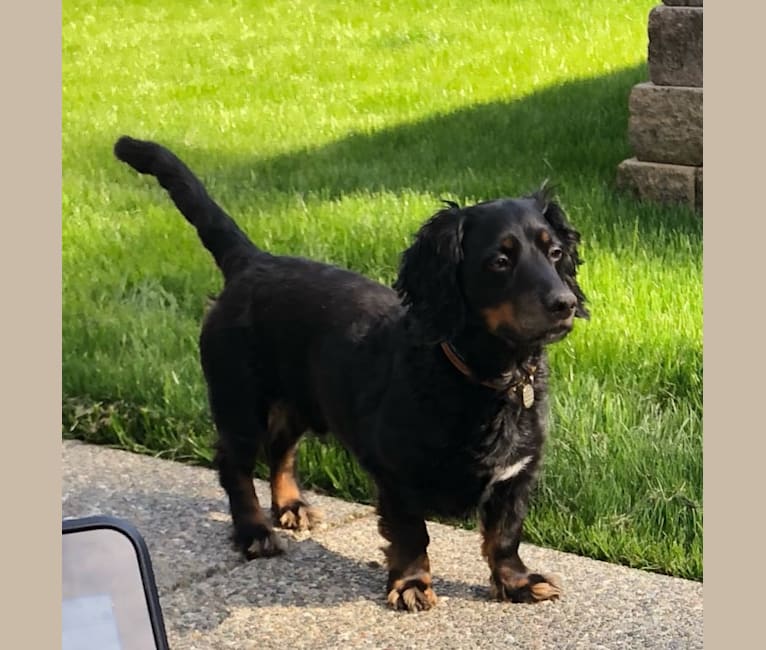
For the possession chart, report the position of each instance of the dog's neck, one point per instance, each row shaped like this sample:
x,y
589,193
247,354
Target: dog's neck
x,y
489,358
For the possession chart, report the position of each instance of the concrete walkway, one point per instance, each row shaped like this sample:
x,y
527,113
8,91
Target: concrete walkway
x,y
328,591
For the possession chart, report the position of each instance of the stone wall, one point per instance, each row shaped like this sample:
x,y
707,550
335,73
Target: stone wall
x,y
665,126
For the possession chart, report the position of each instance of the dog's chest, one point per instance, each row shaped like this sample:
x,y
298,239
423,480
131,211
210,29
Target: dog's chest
x,y
456,478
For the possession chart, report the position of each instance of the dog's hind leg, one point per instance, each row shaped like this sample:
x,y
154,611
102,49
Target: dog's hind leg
x,y
253,534
240,417
289,506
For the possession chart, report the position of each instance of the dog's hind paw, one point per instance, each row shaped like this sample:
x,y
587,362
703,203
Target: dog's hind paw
x,y
297,516
412,593
269,546
258,540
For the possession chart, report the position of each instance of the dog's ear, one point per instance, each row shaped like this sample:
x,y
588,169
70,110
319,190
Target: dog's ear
x,y
567,266
428,275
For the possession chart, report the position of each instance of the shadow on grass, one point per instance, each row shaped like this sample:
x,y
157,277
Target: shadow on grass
x,y
575,130
574,133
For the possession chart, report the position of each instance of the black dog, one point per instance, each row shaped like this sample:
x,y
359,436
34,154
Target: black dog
x,y
438,388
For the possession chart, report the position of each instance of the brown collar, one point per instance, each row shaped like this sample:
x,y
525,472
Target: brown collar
x,y
507,382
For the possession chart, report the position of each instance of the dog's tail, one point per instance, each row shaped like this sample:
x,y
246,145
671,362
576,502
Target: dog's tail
x,y
230,247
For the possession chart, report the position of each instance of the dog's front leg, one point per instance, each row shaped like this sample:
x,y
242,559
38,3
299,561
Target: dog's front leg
x,y
409,570
502,517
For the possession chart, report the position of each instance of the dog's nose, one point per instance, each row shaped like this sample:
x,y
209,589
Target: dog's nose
x,y
561,303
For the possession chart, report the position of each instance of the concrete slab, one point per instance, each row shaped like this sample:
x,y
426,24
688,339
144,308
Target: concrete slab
x,y
327,592
182,509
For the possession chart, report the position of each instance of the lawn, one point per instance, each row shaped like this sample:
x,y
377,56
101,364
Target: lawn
x,y
332,130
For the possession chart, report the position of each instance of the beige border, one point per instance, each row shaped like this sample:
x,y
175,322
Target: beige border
x,y
30,51
734,378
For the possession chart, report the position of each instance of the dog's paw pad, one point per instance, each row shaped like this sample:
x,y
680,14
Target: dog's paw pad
x,y
412,594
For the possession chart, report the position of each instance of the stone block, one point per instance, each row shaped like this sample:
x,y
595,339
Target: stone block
x,y
682,3
698,189
659,182
666,124
675,46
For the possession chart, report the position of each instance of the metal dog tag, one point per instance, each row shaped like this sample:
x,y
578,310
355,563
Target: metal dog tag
x,y
527,395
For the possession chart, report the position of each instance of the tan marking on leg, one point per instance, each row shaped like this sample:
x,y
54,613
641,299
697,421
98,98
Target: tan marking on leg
x,y
511,580
412,590
285,491
284,488
302,518
548,590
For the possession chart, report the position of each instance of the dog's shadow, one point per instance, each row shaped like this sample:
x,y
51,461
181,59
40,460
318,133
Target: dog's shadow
x,y
189,540
311,574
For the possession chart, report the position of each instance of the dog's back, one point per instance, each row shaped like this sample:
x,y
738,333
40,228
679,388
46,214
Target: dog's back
x,y
306,324
297,315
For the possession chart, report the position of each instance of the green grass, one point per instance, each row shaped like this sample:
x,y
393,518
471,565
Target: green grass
x,y
331,130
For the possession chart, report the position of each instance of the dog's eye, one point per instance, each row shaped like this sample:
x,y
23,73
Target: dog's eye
x,y
500,263
555,253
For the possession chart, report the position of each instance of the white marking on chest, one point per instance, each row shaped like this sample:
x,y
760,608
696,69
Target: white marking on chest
x,y
504,474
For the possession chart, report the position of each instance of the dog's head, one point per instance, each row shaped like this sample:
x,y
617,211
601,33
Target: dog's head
x,y
509,265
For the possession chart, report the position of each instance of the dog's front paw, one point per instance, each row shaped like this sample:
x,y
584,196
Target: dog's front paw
x,y
528,587
412,592
297,515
